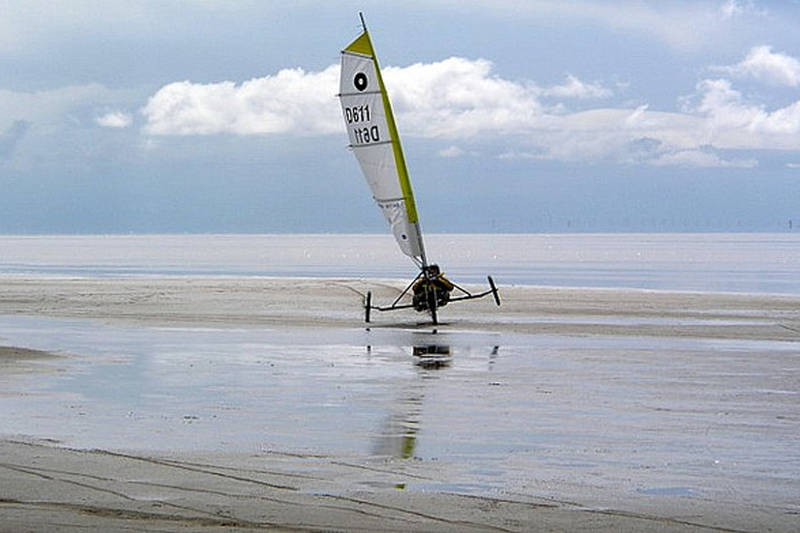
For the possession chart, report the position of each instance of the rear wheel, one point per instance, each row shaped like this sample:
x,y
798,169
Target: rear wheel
x,y
494,290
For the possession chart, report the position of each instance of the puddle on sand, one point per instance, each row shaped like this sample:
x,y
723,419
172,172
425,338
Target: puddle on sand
x,y
509,410
218,389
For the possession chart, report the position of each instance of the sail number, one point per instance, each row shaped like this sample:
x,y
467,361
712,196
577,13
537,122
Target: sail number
x,y
366,135
359,113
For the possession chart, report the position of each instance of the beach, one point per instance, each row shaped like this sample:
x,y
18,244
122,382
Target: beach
x,y
269,404
218,219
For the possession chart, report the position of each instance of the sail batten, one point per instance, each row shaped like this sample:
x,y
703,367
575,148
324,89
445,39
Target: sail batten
x,y
356,54
373,136
359,146
387,199
354,94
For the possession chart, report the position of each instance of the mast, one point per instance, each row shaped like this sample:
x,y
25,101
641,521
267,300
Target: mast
x,y
398,150
376,141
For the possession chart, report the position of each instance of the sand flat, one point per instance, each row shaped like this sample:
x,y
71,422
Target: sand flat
x,y
565,409
338,303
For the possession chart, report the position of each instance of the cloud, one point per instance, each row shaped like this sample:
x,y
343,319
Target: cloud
x,y
515,154
732,9
453,98
59,105
460,100
115,119
291,101
10,138
737,123
682,25
700,158
28,25
723,105
55,128
764,65
575,88
451,151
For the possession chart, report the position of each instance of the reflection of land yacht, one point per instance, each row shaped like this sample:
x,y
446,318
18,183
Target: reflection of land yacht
x,y
432,355
398,437
376,144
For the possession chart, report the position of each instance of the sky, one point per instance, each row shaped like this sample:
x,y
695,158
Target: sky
x,y
214,116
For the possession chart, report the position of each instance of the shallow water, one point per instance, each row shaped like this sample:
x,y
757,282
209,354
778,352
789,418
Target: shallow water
x,y
765,263
507,411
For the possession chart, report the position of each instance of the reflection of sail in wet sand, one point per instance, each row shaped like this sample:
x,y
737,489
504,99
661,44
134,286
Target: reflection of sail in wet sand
x,y
398,437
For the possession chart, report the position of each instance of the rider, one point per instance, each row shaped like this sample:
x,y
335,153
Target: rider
x,y
431,280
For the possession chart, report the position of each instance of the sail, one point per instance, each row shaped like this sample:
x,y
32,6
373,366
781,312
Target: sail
x,y
376,144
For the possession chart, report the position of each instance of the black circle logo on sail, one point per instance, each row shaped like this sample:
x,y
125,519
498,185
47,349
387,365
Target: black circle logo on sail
x,y
360,81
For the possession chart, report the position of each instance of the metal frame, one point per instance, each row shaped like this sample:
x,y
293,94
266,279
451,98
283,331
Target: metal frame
x,y
466,295
421,259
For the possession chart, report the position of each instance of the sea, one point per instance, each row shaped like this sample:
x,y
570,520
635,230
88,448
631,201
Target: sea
x,y
713,262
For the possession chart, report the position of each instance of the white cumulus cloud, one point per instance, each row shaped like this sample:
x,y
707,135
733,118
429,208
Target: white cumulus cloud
x,y
458,97
735,122
575,88
452,98
762,64
291,101
115,119
462,102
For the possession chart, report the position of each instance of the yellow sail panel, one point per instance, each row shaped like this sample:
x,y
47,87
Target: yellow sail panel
x,y
402,171
362,45
376,144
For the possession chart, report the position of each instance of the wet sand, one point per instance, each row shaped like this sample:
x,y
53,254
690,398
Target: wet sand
x,y
664,411
11,354
16,360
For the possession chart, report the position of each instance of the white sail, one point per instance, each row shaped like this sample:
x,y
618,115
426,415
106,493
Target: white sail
x,y
374,140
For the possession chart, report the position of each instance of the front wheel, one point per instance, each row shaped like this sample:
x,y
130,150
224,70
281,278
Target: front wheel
x,y
432,304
